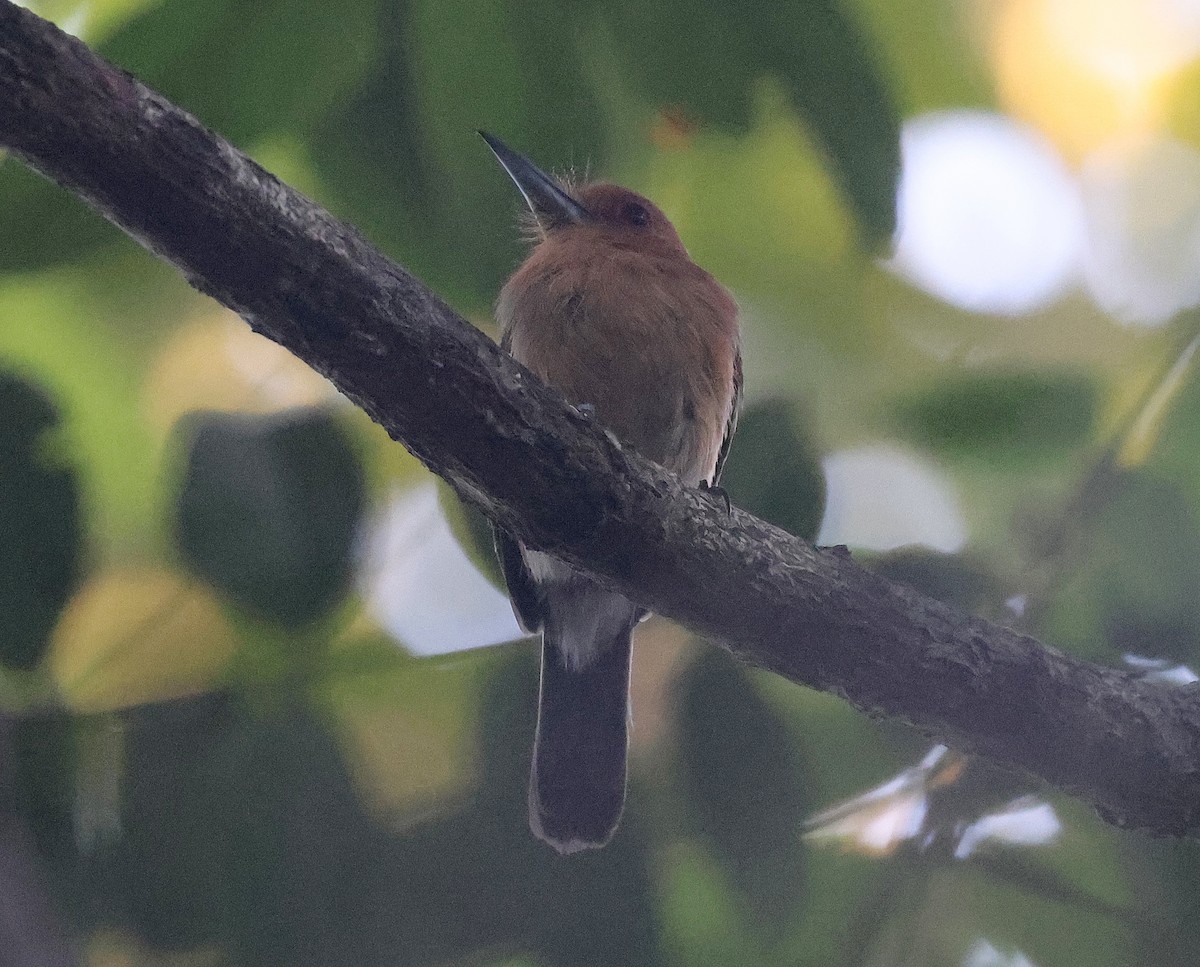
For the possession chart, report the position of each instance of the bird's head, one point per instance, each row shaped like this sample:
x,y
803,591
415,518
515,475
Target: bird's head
x,y
607,213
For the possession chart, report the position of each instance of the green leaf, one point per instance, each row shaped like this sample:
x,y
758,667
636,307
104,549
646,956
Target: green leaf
x,y
473,531
773,469
701,914
246,70
956,579
67,228
1173,450
700,57
1004,415
706,58
919,43
244,828
46,754
268,510
168,865
40,521
302,860
83,332
250,69
826,64
1134,584
747,787
403,157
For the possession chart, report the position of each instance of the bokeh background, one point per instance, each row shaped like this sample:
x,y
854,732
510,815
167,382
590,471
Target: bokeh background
x,y
262,703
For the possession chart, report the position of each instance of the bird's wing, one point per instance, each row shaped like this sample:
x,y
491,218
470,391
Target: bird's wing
x,y
522,592
732,422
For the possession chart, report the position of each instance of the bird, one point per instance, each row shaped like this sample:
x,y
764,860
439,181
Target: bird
x,y
610,310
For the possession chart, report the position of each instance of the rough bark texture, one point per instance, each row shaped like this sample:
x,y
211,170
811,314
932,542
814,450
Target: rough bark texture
x,y
474,416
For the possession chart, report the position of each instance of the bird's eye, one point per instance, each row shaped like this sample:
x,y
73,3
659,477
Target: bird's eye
x,y
636,214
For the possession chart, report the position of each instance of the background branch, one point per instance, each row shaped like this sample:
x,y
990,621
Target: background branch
x,y
512,446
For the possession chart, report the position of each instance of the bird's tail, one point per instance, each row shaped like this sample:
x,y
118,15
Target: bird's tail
x,y
577,781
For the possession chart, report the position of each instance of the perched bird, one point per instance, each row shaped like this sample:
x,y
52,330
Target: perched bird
x,y
608,309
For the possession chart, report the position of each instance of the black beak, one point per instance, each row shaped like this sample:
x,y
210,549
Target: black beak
x,y
552,206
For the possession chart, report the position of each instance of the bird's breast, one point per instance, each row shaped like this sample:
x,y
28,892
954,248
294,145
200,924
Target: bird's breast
x,y
648,341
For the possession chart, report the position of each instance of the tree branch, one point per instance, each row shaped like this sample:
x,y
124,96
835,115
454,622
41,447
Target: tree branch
x,y
512,446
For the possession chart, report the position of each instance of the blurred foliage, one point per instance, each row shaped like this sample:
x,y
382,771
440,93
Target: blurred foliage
x,y
473,531
773,470
222,753
1009,414
268,508
954,578
745,781
138,635
1138,576
39,517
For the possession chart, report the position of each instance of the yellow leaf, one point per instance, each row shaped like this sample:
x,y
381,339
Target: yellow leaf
x,y
136,636
407,726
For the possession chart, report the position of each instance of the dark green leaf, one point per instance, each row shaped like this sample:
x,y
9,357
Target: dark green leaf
x,y
46,757
1145,549
826,64
746,784
706,58
701,58
245,829
268,510
1177,862
67,228
1134,584
302,861
473,531
403,157
168,865
1003,414
773,470
1176,452
39,521
954,578
250,69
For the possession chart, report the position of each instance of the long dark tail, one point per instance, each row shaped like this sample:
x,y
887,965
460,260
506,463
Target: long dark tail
x,y
577,782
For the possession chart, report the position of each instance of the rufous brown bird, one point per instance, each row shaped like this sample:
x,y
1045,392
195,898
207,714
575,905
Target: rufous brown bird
x,y
611,311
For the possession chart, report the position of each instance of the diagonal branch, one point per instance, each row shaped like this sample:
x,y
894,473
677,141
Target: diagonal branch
x,y
512,446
